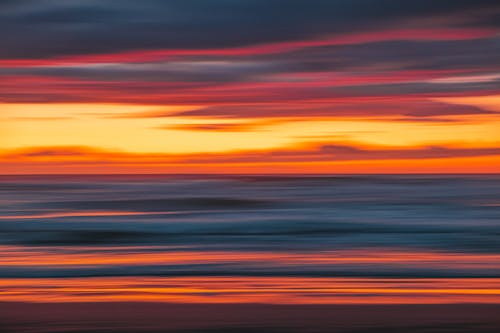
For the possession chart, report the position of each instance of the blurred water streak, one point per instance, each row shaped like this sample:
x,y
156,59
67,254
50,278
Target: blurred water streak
x,y
267,239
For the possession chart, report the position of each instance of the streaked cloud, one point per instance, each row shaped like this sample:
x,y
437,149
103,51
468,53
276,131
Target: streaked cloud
x,y
303,153
176,78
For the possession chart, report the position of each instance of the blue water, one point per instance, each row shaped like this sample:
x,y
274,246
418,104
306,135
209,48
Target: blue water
x,y
248,214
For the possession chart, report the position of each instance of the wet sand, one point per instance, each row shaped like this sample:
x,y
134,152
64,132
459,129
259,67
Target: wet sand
x,y
168,317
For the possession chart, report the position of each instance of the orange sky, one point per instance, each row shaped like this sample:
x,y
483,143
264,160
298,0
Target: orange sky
x,y
128,138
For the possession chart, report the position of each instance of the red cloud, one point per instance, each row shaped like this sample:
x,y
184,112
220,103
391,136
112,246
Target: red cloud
x,y
280,47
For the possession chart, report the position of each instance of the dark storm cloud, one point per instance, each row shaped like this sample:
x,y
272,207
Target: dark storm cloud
x,y
185,71
478,56
38,29
418,89
399,55
211,53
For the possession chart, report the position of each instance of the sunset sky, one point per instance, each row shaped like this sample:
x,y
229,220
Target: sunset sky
x,y
263,86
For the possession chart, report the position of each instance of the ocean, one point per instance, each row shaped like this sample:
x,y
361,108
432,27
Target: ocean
x,y
270,240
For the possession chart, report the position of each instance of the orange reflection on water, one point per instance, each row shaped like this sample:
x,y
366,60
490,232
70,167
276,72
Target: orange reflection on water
x,y
145,255
278,290
79,214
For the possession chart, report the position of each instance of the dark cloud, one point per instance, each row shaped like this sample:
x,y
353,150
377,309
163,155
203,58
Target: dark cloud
x,y
228,93
336,151
34,29
60,152
376,49
414,109
399,55
174,71
221,127
417,89
385,68
477,56
343,152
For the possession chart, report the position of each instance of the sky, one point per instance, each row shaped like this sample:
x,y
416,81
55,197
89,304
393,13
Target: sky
x,y
249,86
